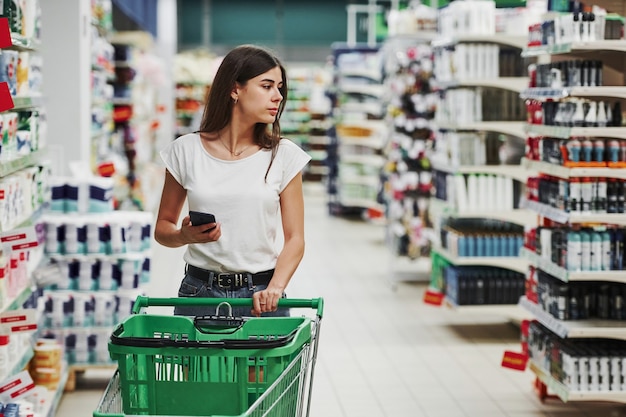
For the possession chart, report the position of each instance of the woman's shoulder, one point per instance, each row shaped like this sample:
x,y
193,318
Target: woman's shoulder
x,y
289,150
184,142
288,145
187,138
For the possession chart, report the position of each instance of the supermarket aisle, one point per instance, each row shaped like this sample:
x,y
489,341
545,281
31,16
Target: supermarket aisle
x,y
383,353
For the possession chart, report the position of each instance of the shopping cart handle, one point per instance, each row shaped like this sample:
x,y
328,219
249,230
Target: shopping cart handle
x,y
142,301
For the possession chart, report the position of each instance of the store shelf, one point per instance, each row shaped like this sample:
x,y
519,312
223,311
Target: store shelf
x,y
318,140
565,132
513,311
564,217
565,394
565,172
374,90
362,108
318,170
611,45
369,180
21,43
517,172
22,362
568,276
57,394
515,84
18,300
507,262
371,73
587,329
522,217
508,128
26,102
544,93
370,141
359,202
375,160
519,42
10,167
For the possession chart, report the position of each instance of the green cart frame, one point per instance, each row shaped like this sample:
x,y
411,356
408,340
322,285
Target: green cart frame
x,y
217,366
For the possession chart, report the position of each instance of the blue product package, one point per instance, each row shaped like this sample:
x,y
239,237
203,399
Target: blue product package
x,y
95,238
72,191
480,245
489,246
146,235
145,271
100,195
471,245
510,245
462,245
57,201
12,410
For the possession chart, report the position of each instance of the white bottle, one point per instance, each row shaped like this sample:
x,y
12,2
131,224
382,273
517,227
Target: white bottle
x,y
590,117
585,244
105,279
601,119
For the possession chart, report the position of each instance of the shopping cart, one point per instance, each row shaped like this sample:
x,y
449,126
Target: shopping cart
x,y
213,365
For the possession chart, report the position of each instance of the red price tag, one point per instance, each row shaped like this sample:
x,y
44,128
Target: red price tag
x,y
433,297
514,360
106,169
6,101
5,33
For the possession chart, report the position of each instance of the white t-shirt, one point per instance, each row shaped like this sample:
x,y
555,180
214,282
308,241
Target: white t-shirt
x,y
246,206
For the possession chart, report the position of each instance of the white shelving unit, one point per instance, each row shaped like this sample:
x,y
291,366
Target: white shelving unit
x,y
442,162
513,263
67,56
609,45
522,217
518,42
613,51
515,84
569,276
410,100
567,395
516,172
587,329
354,161
558,93
29,209
514,313
567,172
508,128
565,217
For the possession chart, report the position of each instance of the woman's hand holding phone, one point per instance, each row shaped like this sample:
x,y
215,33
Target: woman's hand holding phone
x,y
200,227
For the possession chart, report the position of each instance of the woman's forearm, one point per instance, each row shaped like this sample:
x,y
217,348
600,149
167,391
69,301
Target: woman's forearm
x,y
168,234
287,262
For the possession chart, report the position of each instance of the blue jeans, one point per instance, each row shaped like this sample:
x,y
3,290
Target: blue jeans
x,y
194,287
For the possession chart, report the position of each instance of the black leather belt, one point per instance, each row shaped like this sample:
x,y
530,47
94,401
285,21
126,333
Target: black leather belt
x,y
230,280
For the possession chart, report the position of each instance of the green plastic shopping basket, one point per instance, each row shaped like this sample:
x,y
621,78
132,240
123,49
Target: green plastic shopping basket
x,y
207,366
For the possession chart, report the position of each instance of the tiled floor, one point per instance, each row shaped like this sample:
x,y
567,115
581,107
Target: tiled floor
x,y
383,352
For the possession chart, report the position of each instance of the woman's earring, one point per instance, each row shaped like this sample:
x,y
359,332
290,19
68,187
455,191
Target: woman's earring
x,y
235,100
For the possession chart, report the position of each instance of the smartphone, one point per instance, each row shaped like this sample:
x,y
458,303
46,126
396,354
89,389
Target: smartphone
x,y
199,218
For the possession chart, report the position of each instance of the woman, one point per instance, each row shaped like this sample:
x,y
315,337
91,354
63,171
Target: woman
x,y
249,177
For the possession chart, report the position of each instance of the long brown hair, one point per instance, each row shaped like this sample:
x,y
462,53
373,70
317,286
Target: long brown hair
x,y
238,66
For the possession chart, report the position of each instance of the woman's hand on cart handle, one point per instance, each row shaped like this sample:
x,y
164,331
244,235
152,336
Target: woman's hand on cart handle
x,y
144,301
265,301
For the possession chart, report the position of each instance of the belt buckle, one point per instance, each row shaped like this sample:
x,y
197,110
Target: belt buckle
x,y
231,280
